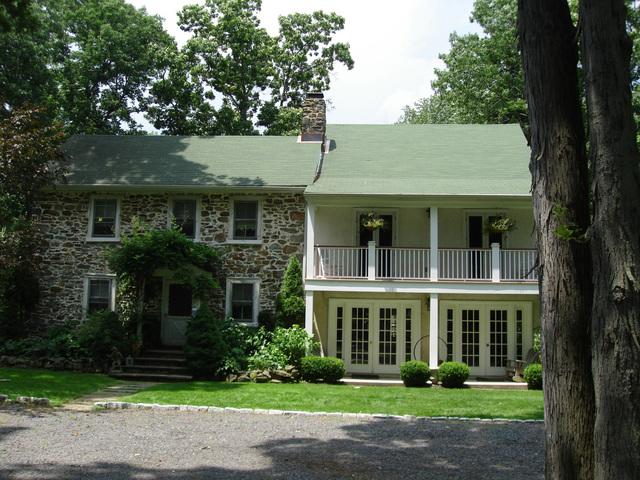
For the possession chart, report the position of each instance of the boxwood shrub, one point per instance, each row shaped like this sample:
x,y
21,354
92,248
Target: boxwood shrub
x,y
453,374
322,369
414,373
533,376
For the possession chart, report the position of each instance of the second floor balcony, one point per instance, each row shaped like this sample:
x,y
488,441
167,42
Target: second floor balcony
x,y
452,264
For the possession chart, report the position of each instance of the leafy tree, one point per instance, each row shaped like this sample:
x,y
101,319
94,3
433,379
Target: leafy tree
x,y
482,81
178,103
114,53
29,161
590,293
290,303
32,47
233,56
259,80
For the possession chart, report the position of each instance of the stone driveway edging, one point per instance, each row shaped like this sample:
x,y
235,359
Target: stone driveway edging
x,y
262,411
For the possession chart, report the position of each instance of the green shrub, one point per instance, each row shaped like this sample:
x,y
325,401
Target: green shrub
x,y
290,303
453,374
31,347
99,334
533,376
205,348
414,373
537,340
242,342
64,341
267,320
322,369
285,346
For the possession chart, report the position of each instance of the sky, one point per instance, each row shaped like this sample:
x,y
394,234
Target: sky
x,y
394,44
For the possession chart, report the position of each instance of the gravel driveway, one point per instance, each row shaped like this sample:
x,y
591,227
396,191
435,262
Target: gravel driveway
x,y
150,445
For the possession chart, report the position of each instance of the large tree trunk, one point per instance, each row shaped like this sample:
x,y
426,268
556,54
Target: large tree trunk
x,y
560,199
615,239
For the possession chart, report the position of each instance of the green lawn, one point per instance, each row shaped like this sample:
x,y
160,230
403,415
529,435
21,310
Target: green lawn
x,y
521,404
59,387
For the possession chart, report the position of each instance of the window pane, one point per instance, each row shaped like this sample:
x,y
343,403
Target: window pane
x,y
242,292
104,218
184,214
245,223
99,295
242,301
180,300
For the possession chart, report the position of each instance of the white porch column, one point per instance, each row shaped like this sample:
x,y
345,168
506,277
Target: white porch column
x,y
434,310
495,262
371,260
310,240
308,312
433,269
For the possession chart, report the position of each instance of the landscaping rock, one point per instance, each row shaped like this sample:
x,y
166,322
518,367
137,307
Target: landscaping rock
x,y
36,401
3,398
232,378
243,379
281,376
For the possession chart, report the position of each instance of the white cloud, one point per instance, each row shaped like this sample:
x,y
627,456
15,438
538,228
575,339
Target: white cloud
x,y
395,46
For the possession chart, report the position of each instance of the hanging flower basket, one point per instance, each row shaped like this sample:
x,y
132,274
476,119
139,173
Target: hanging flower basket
x,y
372,221
501,225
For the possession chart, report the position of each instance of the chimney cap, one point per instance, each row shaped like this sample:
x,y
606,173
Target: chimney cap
x,y
315,95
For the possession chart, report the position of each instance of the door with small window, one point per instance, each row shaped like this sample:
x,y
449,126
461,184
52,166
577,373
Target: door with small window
x,y
373,337
176,312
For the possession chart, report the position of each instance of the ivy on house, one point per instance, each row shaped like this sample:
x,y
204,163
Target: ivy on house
x,y
143,253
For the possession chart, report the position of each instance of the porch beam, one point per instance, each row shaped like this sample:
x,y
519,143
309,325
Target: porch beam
x,y
433,243
434,308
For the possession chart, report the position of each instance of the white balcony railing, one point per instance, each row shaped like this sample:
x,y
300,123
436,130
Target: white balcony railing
x,y
454,264
464,264
341,262
518,265
402,263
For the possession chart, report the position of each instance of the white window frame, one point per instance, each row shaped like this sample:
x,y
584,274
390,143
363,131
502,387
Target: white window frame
x,y
85,296
196,236
230,238
116,237
256,297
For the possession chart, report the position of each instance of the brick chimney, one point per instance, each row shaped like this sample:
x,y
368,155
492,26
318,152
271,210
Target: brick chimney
x,y
314,118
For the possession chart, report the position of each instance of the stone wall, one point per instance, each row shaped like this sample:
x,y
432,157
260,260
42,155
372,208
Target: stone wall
x,y
67,256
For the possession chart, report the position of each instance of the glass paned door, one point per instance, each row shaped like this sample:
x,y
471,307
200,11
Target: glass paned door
x,y
360,325
387,336
471,337
498,341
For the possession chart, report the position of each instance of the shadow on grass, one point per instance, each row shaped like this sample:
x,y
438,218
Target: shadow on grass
x,y
376,449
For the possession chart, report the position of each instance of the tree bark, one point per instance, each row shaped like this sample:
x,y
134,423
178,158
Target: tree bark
x,y
615,239
560,198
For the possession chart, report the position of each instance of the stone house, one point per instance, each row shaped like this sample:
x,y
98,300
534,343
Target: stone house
x,y
416,240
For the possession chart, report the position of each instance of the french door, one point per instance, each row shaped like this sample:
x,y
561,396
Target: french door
x,y
373,336
484,335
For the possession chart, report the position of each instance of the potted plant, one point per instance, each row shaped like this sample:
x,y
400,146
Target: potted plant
x,y
501,224
372,221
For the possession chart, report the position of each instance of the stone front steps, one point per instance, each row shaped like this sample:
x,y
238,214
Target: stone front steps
x,y
156,365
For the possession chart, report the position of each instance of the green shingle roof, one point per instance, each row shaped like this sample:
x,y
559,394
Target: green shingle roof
x,y
225,161
363,160
425,160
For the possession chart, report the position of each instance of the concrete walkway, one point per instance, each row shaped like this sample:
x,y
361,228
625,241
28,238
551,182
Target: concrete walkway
x,y
109,394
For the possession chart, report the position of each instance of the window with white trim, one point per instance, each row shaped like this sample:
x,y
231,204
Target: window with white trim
x,y
100,294
242,300
104,219
184,214
246,220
